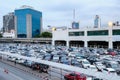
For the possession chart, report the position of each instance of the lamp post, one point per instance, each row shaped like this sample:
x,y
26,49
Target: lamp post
x,y
110,24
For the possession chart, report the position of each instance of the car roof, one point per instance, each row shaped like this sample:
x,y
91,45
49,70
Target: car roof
x,y
91,66
113,62
110,69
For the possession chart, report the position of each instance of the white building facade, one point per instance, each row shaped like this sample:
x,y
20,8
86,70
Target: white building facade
x,y
9,35
104,37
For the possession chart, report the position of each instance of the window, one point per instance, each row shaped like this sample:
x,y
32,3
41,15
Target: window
x,y
72,74
97,33
116,32
76,33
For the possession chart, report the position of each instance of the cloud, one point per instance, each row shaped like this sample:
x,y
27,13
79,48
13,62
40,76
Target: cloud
x,y
60,12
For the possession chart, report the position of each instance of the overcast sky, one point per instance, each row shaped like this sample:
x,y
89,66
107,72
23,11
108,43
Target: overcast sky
x,y
60,12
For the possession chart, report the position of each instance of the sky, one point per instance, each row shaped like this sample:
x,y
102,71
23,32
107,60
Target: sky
x,y
60,12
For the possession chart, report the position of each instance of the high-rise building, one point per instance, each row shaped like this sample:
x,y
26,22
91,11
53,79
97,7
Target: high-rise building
x,y
8,22
75,25
28,22
116,23
97,22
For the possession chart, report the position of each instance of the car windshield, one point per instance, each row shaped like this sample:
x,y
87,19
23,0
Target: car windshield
x,y
86,62
99,65
93,68
114,66
56,57
112,71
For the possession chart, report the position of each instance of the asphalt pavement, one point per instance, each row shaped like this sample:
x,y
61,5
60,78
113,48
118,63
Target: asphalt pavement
x,y
6,75
15,73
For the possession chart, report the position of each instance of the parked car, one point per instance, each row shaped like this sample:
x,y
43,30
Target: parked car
x,y
92,67
114,65
74,76
85,63
92,59
64,60
35,66
72,54
111,52
28,63
74,62
99,66
40,67
47,57
109,71
56,58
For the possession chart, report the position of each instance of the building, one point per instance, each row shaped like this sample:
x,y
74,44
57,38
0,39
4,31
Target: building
x,y
116,23
8,22
75,25
28,22
10,34
97,22
104,37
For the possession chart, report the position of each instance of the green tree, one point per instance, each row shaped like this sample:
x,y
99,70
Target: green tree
x,y
44,35
0,35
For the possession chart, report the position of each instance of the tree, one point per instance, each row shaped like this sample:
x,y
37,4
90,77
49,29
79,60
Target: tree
x,y
44,35
0,35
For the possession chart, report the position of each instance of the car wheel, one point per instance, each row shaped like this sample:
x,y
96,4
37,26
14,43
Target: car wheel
x,y
66,78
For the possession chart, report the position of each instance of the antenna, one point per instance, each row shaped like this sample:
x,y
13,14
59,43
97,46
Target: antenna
x,y
74,14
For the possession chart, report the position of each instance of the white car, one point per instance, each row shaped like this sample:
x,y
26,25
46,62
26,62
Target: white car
x,y
13,59
85,63
79,59
72,54
92,67
20,61
99,66
109,71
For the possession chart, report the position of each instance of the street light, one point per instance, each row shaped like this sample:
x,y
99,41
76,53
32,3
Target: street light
x,y
110,24
53,29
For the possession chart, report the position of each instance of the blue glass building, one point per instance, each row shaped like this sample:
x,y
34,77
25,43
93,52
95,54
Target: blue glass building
x,y
28,22
75,25
97,22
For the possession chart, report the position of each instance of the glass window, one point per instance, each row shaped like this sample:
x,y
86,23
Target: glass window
x,y
76,33
21,22
97,33
116,32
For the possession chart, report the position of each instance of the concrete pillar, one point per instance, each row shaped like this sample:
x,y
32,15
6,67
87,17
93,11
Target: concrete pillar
x,y
85,43
67,43
53,42
110,43
41,25
15,21
29,25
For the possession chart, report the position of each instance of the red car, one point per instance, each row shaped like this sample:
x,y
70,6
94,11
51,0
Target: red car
x,y
74,76
112,53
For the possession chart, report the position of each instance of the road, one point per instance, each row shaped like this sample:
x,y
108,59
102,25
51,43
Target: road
x,y
8,76
15,74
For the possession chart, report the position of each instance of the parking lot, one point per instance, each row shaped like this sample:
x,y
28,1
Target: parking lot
x,y
97,59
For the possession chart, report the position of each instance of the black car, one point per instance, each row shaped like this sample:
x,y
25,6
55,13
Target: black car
x,y
64,60
74,62
40,67
92,59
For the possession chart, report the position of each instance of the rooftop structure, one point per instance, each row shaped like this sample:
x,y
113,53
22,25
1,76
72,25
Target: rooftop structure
x,y
104,37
